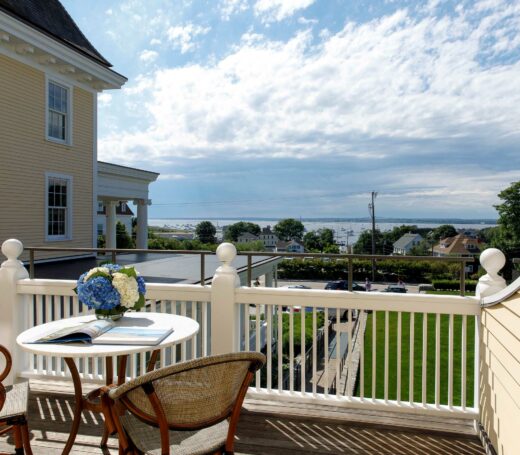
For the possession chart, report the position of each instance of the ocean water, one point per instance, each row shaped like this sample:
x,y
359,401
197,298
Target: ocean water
x,y
345,231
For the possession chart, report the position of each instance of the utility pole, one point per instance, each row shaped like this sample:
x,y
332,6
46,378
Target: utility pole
x,y
372,211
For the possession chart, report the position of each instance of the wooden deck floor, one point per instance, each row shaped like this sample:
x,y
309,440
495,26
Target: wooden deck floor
x,y
260,431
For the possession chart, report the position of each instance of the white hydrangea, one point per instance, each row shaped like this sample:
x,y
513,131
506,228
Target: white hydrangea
x,y
127,288
96,270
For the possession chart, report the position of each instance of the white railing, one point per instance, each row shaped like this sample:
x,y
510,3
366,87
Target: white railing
x,y
415,353
50,300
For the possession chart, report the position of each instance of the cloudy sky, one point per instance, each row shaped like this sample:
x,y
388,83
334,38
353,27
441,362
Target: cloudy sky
x,y
303,107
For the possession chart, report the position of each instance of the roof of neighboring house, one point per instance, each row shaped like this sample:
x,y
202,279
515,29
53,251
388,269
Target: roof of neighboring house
x,y
120,210
406,239
457,245
51,18
247,236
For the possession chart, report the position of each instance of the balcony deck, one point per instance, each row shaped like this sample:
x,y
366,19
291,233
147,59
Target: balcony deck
x,y
264,428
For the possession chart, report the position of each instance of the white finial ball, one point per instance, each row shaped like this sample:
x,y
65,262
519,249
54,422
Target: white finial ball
x,y
492,259
226,252
12,249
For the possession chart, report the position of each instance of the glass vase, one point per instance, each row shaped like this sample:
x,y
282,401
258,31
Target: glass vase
x,y
114,314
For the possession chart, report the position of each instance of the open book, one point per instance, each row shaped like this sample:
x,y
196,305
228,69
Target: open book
x,y
105,331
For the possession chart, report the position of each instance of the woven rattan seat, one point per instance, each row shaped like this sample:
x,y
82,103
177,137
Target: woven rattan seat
x,y
148,440
14,401
187,408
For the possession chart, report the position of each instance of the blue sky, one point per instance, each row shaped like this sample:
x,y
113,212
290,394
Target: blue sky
x,y
276,108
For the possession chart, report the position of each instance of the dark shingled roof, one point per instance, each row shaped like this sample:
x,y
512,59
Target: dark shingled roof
x,y
51,18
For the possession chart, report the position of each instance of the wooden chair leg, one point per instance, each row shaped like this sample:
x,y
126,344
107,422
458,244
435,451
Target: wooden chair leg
x,y
18,443
26,438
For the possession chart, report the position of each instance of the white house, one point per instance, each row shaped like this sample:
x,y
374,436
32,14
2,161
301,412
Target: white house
x,y
406,243
292,246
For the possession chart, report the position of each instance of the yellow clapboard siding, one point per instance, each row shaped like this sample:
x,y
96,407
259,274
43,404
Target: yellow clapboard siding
x,y
26,155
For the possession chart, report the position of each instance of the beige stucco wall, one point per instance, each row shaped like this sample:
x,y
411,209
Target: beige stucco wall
x,y
26,155
500,375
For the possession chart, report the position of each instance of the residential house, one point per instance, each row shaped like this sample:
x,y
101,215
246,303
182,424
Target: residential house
x,y
50,75
459,245
293,246
124,216
269,238
406,243
247,237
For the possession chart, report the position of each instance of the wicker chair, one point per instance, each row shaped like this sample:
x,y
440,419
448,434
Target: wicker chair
x,y
13,408
189,408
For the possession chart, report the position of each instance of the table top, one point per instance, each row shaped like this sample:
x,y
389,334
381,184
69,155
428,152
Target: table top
x,y
183,328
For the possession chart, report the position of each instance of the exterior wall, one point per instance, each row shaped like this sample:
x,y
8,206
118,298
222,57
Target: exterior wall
x,y
500,375
26,156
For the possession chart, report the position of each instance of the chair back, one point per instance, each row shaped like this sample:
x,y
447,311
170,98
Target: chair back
x,y
4,373
193,394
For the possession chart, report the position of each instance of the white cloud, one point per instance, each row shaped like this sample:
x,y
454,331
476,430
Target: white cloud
x,y
148,56
277,10
172,177
182,36
229,8
396,88
104,99
155,42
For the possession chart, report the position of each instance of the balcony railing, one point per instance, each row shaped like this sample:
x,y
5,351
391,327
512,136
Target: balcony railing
x,y
396,352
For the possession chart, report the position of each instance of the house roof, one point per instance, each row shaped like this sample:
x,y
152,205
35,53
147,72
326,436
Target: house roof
x,y
406,239
457,245
247,236
51,18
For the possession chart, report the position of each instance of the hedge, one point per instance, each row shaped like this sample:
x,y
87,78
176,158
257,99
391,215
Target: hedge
x,y
453,285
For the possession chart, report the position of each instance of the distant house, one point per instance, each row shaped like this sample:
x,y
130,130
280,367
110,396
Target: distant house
x,y
123,215
459,245
292,246
406,243
247,237
269,238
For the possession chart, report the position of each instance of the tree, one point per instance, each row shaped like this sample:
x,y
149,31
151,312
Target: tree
x,y
234,231
443,232
205,232
364,242
123,240
509,215
289,229
326,237
312,242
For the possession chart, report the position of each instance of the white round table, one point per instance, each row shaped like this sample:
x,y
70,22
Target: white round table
x,y
183,329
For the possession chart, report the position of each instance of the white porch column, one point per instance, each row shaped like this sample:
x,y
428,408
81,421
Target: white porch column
x,y
142,223
110,235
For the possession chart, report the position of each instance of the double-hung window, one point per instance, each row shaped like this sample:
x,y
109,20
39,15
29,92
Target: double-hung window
x,y
58,112
58,207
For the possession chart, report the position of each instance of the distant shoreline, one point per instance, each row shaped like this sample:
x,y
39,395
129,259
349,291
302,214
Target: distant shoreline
x,y
353,220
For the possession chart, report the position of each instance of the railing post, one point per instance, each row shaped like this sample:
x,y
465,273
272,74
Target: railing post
x,y
492,260
224,311
13,307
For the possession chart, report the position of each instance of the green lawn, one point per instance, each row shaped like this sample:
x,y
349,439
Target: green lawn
x,y
418,351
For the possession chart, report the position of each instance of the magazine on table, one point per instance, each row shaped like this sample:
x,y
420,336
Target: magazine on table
x,y
106,331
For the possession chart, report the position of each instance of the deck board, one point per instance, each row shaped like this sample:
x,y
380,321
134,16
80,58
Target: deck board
x,y
261,431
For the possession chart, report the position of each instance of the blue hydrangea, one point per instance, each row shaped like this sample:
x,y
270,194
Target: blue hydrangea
x,y
98,293
112,267
141,287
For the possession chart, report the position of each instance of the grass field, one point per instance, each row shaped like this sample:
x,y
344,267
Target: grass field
x,y
417,355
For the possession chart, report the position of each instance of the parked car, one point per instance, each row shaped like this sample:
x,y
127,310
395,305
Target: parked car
x,y
297,286
395,288
342,285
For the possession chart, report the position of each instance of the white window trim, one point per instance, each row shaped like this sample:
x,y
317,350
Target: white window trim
x,y
68,234
69,121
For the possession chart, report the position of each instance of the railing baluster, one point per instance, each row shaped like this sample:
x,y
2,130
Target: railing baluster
x,y
47,318
349,352
302,352
257,339
247,328
326,349
387,343
338,350
280,347
450,362
184,343
463,363
291,349
424,356
314,349
361,336
437,359
269,339
204,326
39,321
374,328
399,324
412,358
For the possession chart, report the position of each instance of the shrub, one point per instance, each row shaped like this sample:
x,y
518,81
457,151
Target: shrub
x,y
453,285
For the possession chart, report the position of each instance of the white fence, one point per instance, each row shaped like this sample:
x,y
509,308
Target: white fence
x,y
415,353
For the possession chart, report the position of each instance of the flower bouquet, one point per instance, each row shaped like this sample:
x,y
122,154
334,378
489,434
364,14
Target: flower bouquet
x,y
111,290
